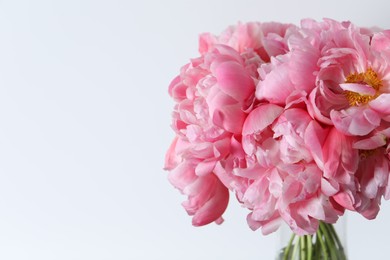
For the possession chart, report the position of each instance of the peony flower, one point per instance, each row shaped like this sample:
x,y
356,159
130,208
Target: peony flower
x,y
356,172
352,79
214,94
287,175
294,120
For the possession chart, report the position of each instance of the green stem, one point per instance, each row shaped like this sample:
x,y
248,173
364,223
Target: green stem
x,y
336,238
303,248
295,248
323,245
309,247
332,240
333,231
319,237
317,247
329,241
287,250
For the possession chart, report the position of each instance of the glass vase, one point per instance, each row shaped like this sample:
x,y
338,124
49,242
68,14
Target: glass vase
x,y
328,243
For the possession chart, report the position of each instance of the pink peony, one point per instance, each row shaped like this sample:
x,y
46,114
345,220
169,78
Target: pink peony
x,y
287,145
364,180
294,120
352,78
213,94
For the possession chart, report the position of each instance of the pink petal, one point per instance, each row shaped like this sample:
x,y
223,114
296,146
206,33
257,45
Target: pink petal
x,y
387,190
171,159
314,139
264,211
381,41
206,41
313,207
276,86
329,187
260,118
205,167
253,224
372,211
381,174
345,199
340,159
267,226
221,148
182,176
370,143
381,104
362,89
275,184
303,66
291,192
213,208
234,80
271,226
256,192
177,89
231,118
355,120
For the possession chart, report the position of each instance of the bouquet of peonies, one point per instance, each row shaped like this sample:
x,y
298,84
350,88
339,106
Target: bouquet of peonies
x,y
294,120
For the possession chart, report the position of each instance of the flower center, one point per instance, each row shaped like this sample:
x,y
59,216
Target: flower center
x,y
370,78
364,154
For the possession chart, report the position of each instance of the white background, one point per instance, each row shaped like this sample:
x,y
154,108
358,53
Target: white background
x,y
84,126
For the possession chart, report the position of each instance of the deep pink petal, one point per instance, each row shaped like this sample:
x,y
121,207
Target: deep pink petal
x,y
345,199
372,211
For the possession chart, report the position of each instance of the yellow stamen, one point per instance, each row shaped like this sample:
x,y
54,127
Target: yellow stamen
x,y
370,77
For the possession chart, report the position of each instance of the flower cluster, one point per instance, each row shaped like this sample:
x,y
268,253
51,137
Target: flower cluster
x,y
294,120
